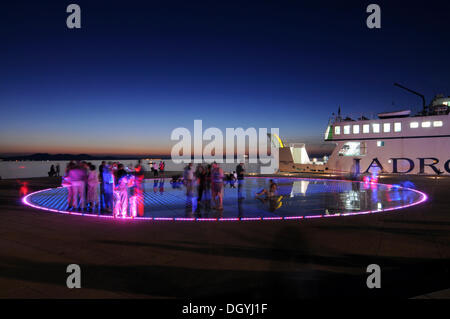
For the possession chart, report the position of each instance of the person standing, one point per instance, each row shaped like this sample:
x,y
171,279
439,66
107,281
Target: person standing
x,y
207,190
52,171
121,192
108,185
100,180
57,170
217,186
67,183
92,196
188,177
155,169
200,174
77,178
139,175
240,171
162,166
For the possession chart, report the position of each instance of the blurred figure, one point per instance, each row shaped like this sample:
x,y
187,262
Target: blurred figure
x,y
271,192
23,190
108,186
121,192
200,175
92,196
188,177
52,171
100,180
155,169
77,178
233,178
57,170
240,171
68,185
162,167
85,167
207,190
217,186
139,188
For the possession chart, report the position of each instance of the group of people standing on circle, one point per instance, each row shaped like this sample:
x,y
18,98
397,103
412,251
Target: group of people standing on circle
x,y
121,190
209,180
155,167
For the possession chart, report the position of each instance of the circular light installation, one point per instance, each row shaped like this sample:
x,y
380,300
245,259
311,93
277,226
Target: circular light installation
x,y
297,198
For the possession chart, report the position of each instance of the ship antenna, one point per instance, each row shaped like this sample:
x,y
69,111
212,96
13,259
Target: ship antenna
x,y
416,93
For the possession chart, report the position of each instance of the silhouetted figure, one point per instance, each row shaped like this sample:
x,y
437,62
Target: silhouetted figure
x,y
240,171
52,171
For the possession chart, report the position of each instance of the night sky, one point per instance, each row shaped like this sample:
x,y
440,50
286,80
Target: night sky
x,y
138,69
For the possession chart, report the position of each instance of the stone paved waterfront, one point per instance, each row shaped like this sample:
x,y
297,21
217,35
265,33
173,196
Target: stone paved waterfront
x,y
272,259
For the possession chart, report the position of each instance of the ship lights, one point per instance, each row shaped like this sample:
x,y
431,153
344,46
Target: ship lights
x,y
376,127
366,128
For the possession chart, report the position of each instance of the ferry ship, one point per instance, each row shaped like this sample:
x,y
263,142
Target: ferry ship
x,y
396,142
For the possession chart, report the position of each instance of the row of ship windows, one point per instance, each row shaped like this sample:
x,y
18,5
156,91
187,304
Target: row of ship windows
x,y
376,127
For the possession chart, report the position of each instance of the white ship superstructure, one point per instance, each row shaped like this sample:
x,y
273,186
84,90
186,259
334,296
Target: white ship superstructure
x,y
395,142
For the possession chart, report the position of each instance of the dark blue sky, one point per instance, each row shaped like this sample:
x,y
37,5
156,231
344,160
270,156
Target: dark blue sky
x,y
138,69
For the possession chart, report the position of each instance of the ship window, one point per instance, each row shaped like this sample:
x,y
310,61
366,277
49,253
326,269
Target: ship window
x,y
437,123
347,129
426,124
366,128
397,127
386,127
376,127
355,129
380,143
353,149
414,124
337,130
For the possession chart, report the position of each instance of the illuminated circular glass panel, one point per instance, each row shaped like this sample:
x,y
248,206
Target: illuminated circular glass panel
x,y
296,198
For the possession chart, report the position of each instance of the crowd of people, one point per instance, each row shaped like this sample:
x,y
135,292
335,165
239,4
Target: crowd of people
x,y
209,181
121,189
155,167
117,189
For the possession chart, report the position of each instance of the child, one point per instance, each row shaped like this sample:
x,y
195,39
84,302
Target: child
x,y
272,190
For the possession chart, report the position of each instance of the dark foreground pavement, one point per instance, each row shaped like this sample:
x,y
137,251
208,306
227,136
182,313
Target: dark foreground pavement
x,y
270,259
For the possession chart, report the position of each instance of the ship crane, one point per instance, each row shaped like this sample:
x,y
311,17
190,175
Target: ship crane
x,y
424,105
